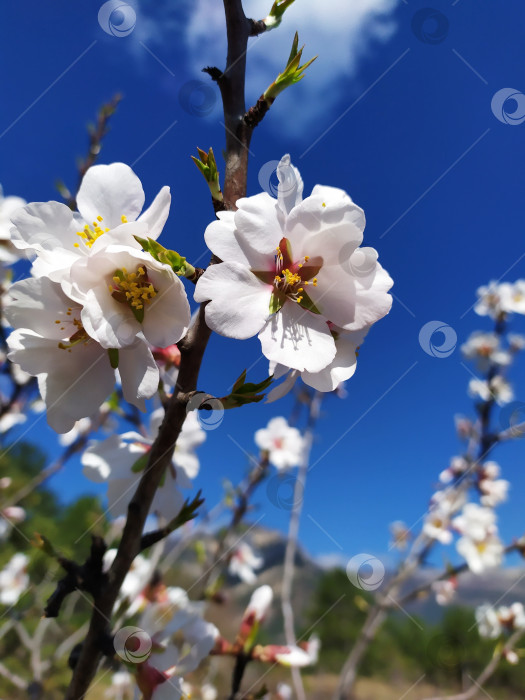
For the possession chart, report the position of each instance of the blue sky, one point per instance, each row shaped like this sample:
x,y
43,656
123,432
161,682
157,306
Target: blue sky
x,y
397,111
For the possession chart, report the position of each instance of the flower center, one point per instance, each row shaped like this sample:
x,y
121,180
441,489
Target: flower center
x,y
132,288
78,337
292,277
90,233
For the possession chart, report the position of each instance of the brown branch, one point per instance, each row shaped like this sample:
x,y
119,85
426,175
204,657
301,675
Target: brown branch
x,y
192,351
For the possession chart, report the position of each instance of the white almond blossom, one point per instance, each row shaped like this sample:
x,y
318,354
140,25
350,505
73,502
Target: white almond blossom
x,y
479,545
489,625
490,300
516,342
445,591
8,206
513,296
457,467
134,583
481,554
485,349
243,562
493,491
182,640
110,201
498,389
120,459
476,521
444,504
493,622
14,580
284,444
74,371
124,292
290,266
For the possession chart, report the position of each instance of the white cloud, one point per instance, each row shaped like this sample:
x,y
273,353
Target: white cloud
x,y
341,32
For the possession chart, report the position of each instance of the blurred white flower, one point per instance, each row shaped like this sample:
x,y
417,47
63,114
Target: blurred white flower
x,y
243,562
445,591
122,686
489,625
481,554
457,467
8,206
81,426
134,583
485,349
14,579
120,459
284,444
498,389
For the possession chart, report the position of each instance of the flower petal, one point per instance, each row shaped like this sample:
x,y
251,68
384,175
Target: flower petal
x,y
110,191
224,241
139,373
257,221
239,303
298,339
156,214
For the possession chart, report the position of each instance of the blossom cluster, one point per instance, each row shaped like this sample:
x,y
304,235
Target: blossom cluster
x,y
95,303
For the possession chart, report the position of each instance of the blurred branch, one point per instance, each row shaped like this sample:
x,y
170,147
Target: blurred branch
x,y
314,408
488,671
96,132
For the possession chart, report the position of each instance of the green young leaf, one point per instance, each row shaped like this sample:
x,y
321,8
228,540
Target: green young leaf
x,y
168,257
292,74
275,17
140,464
245,392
